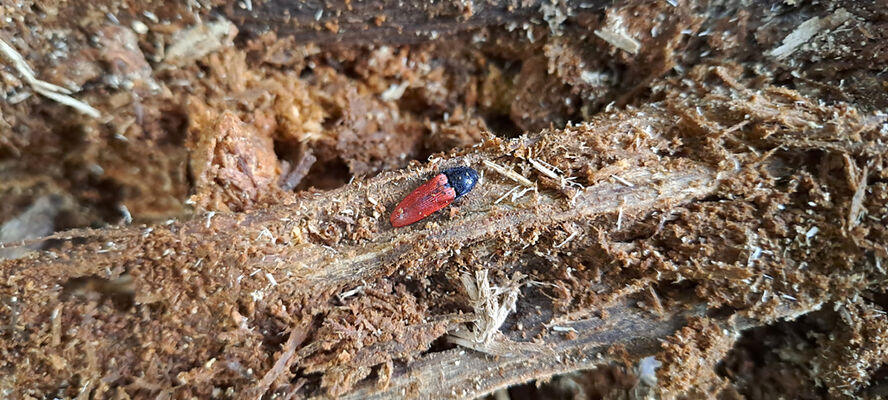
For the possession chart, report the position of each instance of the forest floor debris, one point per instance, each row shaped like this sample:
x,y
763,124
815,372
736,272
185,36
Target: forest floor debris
x,y
721,204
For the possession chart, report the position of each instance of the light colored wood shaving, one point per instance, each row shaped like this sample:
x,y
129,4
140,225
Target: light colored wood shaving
x,y
198,41
492,304
620,40
857,199
804,32
508,173
543,169
45,89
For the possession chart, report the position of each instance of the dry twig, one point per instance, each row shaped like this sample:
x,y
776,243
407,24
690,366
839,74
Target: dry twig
x,y
53,92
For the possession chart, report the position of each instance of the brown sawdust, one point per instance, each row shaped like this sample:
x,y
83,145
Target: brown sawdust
x,y
185,309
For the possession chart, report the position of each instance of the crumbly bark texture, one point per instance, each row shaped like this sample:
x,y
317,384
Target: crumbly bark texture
x,y
702,184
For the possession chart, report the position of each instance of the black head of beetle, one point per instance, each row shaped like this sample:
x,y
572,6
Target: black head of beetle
x,y
461,179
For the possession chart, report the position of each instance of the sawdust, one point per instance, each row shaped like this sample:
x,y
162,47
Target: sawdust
x,y
234,167
689,358
703,180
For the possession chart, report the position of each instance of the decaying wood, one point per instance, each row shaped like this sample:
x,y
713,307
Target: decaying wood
x,y
464,373
393,22
330,269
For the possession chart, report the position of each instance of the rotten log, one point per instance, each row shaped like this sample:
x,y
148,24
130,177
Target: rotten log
x,y
221,303
396,22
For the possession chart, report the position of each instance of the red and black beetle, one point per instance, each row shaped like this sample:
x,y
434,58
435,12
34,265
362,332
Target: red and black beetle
x,y
434,195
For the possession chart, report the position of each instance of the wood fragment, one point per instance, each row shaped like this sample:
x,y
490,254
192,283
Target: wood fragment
x,y
857,199
557,328
655,299
804,32
619,218
508,173
460,369
567,240
501,198
623,181
199,40
544,170
283,363
34,222
46,89
391,22
492,304
292,178
619,39
57,325
518,195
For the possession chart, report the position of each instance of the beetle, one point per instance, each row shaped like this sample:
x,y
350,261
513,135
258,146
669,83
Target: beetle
x,y
437,193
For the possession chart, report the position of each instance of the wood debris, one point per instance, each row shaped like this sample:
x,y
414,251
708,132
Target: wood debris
x,y
804,32
195,42
508,173
492,304
619,39
545,170
46,89
726,188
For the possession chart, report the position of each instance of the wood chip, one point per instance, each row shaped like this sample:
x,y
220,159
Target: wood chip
x,y
508,173
45,89
623,181
544,170
807,30
198,41
857,199
620,40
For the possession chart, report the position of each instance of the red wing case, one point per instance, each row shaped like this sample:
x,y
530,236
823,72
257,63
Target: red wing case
x,y
423,201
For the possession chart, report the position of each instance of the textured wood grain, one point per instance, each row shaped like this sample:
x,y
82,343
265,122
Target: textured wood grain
x,y
391,21
214,297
